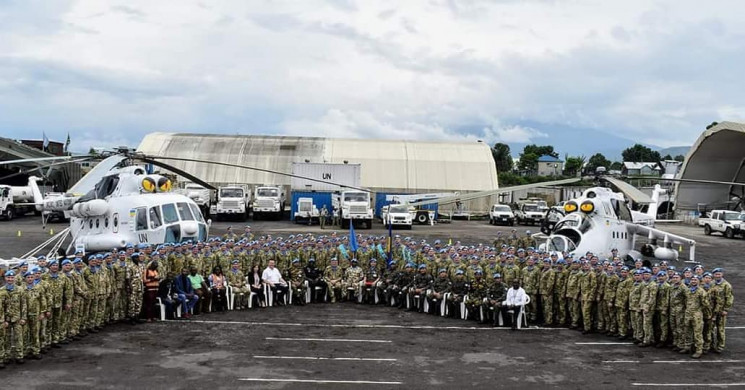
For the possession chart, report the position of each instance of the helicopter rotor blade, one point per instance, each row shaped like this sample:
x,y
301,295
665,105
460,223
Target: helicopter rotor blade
x,y
701,181
153,161
30,160
43,167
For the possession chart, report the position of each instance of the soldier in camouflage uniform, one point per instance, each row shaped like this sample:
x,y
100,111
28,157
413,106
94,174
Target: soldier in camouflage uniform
x,y
588,286
46,311
14,311
135,289
495,295
560,288
635,307
57,284
80,300
476,293
607,305
648,302
35,304
422,281
459,289
546,285
353,277
573,293
120,289
530,276
333,276
722,288
297,280
237,282
68,300
440,287
662,310
677,311
697,308
621,303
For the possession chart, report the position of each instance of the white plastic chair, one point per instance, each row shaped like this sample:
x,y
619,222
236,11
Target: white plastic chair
x,y
444,305
521,317
162,308
463,308
270,295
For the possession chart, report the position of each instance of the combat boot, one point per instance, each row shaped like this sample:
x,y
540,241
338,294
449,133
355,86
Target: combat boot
x,y
685,351
696,355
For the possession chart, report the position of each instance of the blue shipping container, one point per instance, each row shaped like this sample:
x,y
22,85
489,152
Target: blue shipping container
x,y
320,199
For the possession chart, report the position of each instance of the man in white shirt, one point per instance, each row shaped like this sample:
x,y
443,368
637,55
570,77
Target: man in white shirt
x,y
516,297
273,278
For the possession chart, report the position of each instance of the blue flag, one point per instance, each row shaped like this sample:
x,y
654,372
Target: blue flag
x,y
352,237
390,244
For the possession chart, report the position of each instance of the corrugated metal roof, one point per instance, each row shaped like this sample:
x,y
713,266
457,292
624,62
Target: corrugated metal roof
x,y
408,166
548,158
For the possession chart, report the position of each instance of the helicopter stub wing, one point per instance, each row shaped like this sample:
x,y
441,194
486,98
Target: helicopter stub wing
x,y
666,237
632,192
482,194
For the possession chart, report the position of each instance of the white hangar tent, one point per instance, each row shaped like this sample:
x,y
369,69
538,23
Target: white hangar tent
x,y
392,166
718,155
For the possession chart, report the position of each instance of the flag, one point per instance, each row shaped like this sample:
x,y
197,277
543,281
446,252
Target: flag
x,y
352,237
67,143
450,242
389,246
45,142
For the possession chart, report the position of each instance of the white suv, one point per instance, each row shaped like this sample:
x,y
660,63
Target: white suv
x,y
501,214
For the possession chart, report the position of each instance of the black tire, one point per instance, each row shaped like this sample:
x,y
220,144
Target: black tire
x,y
707,230
491,221
422,218
729,233
345,224
9,214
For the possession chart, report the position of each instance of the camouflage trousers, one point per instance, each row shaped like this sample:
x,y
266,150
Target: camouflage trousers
x,y
14,336
134,303
90,315
57,325
561,309
532,307
575,309
547,301
84,314
622,320
612,324
45,332
3,346
604,316
100,310
588,305
708,333
32,342
662,325
637,322
694,331
677,326
648,319
75,315
110,313
120,307
720,322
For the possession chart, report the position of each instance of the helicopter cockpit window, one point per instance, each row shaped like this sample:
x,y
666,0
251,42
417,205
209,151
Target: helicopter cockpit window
x,y
196,212
5,192
169,213
621,209
141,219
106,186
184,212
154,218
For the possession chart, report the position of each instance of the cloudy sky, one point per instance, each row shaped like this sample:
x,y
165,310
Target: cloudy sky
x,y
513,71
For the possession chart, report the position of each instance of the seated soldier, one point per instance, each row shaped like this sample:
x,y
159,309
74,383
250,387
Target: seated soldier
x,y
314,276
401,285
494,297
353,278
476,293
418,290
371,282
238,283
297,281
333,276
440,287
459,289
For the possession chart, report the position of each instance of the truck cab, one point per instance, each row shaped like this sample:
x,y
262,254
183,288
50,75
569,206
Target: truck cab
x,y
501,214
529,213
307,212
355,206
398,215
729,223
232,201
269,201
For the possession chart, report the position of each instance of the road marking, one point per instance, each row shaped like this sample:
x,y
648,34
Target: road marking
x,y
325,358
359,326
318,381
689,384
734,327
611,343
674,361
332,340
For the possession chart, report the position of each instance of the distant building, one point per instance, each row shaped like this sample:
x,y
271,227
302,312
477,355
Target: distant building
x,y
55,148
550,166
670,168
641,168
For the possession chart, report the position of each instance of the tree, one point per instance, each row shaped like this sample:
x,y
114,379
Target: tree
x,y
667,157
573,165
597,160
640,153
680,158
502,157
616,166
92,152
529,157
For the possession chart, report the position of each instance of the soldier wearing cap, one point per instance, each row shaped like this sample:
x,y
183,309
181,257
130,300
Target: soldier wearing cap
x,y
440,286
333,276
546,286
723,289
418,290
621,303
314,276
135,288
495,294
297,282
697,308
459,289
588,291
372,281
677,295
530,277
573,293
607,305
648,303
635,307
662,309
15,317
237,281
353,277
476,293
35,305
560,287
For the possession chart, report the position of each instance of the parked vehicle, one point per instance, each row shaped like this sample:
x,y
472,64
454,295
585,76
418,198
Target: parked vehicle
x,y
729,223
501,214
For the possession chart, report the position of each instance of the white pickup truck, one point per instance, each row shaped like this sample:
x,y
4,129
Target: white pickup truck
x,y
397,215
729,223
529,213
501,214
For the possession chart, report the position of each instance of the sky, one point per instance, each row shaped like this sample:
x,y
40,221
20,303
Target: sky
x,y
532,71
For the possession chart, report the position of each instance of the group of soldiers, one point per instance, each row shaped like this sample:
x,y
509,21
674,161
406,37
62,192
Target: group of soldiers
x,y
49,303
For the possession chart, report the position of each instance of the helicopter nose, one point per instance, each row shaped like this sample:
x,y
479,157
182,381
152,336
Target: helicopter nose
x,y
189,228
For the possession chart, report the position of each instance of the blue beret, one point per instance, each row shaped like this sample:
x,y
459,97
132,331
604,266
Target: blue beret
x,y
638,272
547,261
122,253
129,246
441,270
661,273
715,270
236,262
53,262
77,260
496,275
647,271
91,257
687,269
422,266
561,261
707,273
10,273
698,277
99,256
298,260
23,263
459,272
41,257
27,274
136,254
311,260
409,265
66,262
36,270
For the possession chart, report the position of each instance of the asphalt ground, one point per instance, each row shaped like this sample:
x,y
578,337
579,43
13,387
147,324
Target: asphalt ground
x,y
347,345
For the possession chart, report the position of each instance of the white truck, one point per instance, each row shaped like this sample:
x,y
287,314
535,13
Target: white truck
x,y
355,206
397,215
269,201
501,214
16,201
232,201
307,212
529,213
729,223
200,195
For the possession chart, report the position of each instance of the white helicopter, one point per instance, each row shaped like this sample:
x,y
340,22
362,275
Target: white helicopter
x,y
600,221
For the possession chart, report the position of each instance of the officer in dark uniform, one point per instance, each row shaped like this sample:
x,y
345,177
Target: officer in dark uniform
x,y
314,276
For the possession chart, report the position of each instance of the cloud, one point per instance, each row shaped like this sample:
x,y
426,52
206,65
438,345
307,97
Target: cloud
x,y
502,71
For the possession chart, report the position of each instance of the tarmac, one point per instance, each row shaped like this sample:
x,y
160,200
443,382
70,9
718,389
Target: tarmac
x,y
348,345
